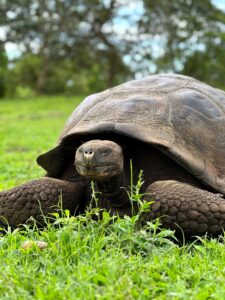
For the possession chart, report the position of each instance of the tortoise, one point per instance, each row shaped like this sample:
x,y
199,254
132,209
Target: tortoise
x,y
172,127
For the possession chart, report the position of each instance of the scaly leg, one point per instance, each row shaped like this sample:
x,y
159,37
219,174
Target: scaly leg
x,y
180,205
18,204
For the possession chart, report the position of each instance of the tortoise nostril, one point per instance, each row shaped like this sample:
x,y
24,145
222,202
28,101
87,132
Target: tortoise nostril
x,y
88,153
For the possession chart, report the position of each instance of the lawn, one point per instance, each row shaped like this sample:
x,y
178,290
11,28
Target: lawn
x,y
27,129
86,259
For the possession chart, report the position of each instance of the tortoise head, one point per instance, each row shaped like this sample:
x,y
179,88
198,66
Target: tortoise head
x,y
99,159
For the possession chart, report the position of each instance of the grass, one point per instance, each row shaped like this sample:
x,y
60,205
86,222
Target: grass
x,y
27,129
86,259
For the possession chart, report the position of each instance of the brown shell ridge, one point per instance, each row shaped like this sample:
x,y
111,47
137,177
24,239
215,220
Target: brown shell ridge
x,y
125,129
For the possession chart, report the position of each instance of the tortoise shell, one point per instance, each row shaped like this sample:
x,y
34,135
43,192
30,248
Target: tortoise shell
x,y
183,117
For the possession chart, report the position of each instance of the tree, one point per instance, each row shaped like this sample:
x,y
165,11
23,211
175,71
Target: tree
x,y
58,30
105,42
3,69
181,31
208,64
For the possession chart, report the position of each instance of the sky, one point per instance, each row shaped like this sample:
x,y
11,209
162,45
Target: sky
x,y
219,3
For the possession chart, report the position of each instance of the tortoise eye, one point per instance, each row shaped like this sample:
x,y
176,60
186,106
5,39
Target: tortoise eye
x,y
105,152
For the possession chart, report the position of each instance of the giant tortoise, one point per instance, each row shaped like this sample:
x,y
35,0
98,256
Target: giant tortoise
x,y
170,126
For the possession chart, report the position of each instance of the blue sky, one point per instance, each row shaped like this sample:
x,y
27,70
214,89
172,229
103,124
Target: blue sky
x,y
219,3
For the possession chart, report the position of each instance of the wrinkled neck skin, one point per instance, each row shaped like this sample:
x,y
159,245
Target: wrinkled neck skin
x,y
113,190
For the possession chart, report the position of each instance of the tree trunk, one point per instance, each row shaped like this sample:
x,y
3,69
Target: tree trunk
x,y
41,79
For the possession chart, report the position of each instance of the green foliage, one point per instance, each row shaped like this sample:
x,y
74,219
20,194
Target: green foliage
x,y
24,74
86,46
63,78
67,43
207,65
191,34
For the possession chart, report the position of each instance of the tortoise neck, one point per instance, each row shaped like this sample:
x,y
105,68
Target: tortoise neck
x,y
114,191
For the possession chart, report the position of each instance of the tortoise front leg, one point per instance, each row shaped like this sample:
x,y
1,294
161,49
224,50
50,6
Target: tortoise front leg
x,y
39,196
183,206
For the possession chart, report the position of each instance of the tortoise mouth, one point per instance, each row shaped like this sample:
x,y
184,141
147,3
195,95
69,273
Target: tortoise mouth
x,y
97,171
